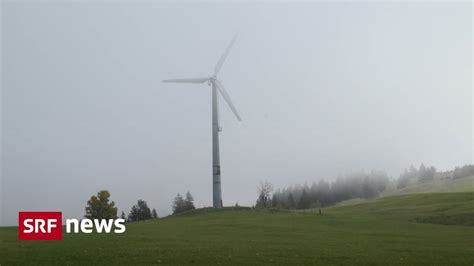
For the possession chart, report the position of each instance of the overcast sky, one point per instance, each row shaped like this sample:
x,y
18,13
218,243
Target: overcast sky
x,y
323,89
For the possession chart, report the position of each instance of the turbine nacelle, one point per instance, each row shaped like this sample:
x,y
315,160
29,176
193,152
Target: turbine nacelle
x,y
212,79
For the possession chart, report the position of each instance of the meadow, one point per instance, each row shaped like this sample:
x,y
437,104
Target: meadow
x,y
412,229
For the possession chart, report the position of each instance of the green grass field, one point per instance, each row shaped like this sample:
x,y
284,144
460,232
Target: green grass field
x,y
437,185
465,184
421,229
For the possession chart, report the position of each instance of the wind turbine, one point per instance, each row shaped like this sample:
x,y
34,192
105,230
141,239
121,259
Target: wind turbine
x,y
216,86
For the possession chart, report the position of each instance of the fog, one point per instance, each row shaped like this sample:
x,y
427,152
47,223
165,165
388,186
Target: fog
x,y
323,90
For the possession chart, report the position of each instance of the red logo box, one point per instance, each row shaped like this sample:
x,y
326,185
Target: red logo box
x,y
40,226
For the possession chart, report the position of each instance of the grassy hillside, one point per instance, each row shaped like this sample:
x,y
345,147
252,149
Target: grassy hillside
x,y
437,185
398,230
465,184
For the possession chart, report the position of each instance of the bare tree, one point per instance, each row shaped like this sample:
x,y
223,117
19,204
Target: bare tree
x,y
264,194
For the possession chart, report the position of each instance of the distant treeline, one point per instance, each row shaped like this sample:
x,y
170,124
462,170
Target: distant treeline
x,y
100,207
423,174
464,171
411,175
355,185
323,193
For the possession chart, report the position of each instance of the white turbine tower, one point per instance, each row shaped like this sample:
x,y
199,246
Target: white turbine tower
x,y
216,86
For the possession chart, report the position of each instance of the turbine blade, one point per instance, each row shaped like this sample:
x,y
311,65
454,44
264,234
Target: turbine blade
x,y
191,80
224,56
226,97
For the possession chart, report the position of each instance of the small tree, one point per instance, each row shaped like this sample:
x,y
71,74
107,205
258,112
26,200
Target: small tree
x,y
154,214
99,207
122,216
178,204
264,191
189,202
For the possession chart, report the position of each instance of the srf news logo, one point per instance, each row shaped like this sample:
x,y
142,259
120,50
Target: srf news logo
x,y
48,226
40,226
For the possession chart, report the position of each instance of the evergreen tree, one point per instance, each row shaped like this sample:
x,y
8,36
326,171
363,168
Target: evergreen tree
x,y
291,202
178,204
140,211
189,202
133,215
154,214
426,173
305,201
145,212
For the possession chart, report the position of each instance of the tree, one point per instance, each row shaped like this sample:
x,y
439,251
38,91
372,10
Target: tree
x,y
291,202
426,174
99,207
260,201
133,215
140,211
154,214
264,191
275,202
422,170
144,210
122,216
178,204
181,204
305,201
189,202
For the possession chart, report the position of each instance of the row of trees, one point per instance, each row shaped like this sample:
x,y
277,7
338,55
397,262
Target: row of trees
x,y
100,207
423,174
464,171
413,175
323,193
181,204
355,185
140,212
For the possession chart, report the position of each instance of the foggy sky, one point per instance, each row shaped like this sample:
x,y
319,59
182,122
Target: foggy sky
x,y
323,89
